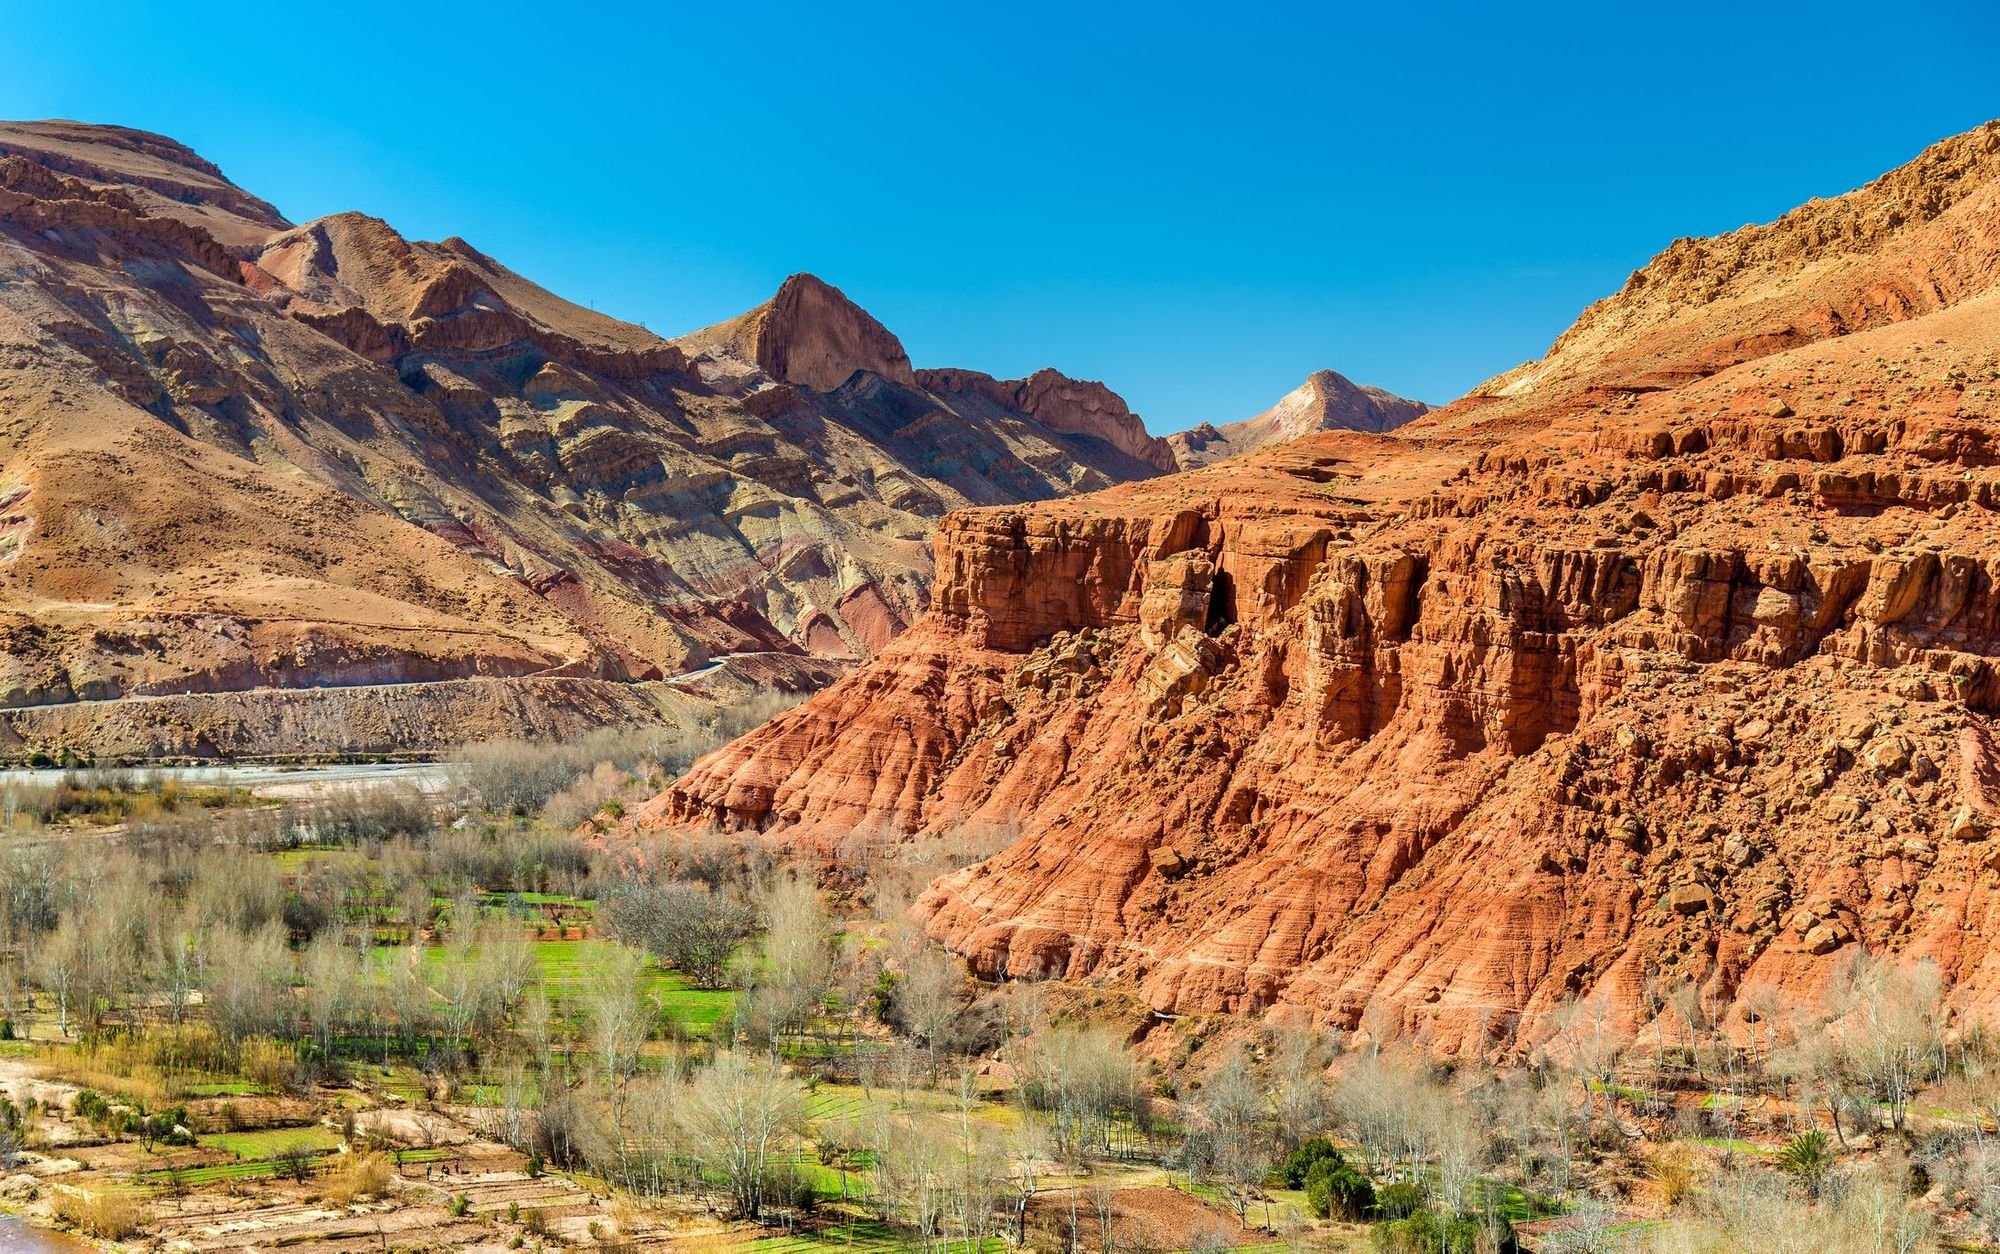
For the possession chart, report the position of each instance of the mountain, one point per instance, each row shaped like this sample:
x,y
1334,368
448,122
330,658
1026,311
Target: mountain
x,y
1672,657
261,483
1326,401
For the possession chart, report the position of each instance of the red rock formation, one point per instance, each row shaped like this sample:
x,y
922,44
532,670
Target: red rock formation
x,y
1587,680
809,334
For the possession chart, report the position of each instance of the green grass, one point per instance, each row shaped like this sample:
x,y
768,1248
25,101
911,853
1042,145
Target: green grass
x,y
1517,1205
862,1237
194,1177
226,1088
1727,1143
269,1142
568,969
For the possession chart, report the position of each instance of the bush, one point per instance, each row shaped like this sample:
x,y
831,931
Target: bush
x,y
270,1064
297,1162
105,1216
1427,1232
1807,1158
91,1105
1400,1200
1674,1173
1299,1164
361,1175
1335,1190
694,930
371,814
169,1127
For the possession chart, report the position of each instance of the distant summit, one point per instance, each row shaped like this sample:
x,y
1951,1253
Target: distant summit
x,y
1326,401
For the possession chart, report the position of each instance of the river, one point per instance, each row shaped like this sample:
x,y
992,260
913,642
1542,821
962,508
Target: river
x,y
18,1237
267,781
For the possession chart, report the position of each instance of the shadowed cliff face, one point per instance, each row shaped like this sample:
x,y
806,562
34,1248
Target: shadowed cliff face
x,y
1585,680
241,453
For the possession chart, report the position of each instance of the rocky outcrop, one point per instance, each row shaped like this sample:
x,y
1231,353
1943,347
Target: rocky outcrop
x,y
1326,401
810,335
1569,691
1063,405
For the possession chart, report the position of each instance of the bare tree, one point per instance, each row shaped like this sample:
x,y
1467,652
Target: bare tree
x,y
1231,1126
738,1114
930,997
692,929
1890,1026
791,982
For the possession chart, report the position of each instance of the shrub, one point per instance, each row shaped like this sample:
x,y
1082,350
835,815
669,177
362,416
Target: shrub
x,y
371,815
1299,1164
1335,1190
169,1127
1399,1200
105,1216
1807,1158
296,1161
1427,1232
90,1104
460,1205
271,1064
1673,1170
691,929
360,1175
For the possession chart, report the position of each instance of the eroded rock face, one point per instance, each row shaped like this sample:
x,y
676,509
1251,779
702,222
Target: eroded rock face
x,y
244,454
811,335
1549,694
1069,406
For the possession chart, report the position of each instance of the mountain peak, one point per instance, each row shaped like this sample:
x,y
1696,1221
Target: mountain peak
x,y
1326,401
809,334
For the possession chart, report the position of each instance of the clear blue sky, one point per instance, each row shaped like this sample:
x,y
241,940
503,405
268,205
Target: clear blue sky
x,y
1198,205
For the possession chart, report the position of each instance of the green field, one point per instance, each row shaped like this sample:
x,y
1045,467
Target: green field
x,y
269,1142
568,969
860,1237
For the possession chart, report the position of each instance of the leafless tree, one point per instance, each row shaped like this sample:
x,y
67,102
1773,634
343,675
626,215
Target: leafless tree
x,y
738,1115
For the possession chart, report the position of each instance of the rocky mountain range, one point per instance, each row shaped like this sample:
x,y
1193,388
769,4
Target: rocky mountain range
x,y
283,488
1668,658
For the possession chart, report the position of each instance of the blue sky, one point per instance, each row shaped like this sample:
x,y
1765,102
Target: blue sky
x,y
1198,205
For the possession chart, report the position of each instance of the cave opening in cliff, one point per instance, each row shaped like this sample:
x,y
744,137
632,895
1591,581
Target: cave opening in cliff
x,y
1221,603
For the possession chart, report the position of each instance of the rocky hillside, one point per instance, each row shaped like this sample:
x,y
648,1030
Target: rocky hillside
x,y
1672,656
1326,401
239,454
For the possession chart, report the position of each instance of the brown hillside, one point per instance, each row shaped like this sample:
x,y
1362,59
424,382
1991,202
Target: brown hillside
x,y
240,454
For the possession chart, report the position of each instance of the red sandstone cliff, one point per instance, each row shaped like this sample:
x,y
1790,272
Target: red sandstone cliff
x,y
1673,654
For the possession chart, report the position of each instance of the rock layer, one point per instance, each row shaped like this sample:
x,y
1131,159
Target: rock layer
x,y
1674,656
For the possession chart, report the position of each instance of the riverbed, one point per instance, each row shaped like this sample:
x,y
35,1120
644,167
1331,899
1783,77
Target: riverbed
x,y
19,1237
263,781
